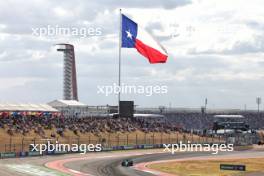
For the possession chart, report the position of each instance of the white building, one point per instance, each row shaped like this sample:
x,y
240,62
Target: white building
x,y
73,108
26,107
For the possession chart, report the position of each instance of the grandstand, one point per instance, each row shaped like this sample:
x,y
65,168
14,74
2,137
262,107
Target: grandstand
x,y
17,132
24,124
230,122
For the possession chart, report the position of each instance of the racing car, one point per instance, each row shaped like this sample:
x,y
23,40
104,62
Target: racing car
x,y
127,163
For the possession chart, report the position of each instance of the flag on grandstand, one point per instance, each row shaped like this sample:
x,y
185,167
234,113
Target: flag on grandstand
x,y
135,37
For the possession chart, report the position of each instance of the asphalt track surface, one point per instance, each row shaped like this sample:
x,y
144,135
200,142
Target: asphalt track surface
x,y
103,164
112,167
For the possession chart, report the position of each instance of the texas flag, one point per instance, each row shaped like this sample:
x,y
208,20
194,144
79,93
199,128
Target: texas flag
x,y
135,37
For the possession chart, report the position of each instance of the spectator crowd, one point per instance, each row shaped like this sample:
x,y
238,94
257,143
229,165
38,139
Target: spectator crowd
x,y
196,120
176,121
24,124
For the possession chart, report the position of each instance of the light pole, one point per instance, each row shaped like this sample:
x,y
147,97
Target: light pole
x,y
258,101
205,104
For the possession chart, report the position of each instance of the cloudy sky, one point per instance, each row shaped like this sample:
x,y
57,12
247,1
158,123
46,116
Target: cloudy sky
x,y
216,50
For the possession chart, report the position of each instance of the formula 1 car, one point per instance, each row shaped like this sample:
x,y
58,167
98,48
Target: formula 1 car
x,y
127,163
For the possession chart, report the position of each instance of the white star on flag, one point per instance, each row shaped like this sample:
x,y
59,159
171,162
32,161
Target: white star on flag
x,y
129,35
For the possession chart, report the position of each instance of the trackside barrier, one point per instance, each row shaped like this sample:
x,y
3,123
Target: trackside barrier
x,y
50,153
158,145
148,146
131,147
107,149
140,147
60,152
37,153
117,148
8,155
33,153
128,147
22,154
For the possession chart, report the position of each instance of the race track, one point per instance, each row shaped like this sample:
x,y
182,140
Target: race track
x,y
112,167
101,164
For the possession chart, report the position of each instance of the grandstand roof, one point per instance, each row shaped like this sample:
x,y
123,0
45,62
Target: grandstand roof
x,y
26,107
63,103
187,110
228,116
149,115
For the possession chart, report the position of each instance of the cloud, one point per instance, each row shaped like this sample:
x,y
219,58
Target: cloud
x,y
221,58
256,45
169,4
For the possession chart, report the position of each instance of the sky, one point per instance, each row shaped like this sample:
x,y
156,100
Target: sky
x,y
216,51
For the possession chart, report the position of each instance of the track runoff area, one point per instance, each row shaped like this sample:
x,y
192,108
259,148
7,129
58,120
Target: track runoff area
x,y
147,162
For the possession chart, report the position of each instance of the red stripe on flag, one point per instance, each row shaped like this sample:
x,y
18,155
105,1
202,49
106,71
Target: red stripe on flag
x,y
153,55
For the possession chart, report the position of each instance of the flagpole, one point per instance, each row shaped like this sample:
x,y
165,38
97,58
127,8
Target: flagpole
x,y
119,66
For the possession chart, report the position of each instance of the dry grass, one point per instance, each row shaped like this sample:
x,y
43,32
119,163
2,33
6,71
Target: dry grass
x,y
210,167
261,135
19,142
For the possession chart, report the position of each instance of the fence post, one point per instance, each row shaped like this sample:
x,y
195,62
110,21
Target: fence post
x,y
109,142
22,145
10,143
127,140
34,142
69,139
153,138
145,138
136,139
89,138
